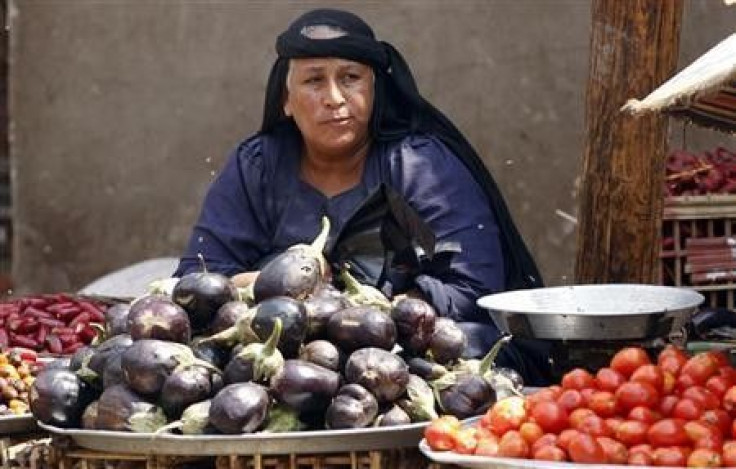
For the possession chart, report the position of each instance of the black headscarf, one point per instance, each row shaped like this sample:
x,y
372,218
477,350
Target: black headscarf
x,y
399,110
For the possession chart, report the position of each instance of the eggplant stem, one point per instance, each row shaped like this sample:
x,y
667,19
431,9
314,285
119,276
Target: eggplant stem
x,y
171,426
320,241
489,361
351,283
273,339
202,262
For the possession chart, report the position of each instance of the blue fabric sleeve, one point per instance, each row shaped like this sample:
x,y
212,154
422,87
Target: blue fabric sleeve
x,y
444,193
231,230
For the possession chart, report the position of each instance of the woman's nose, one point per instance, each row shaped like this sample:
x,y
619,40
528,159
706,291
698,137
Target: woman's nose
x,y
334,95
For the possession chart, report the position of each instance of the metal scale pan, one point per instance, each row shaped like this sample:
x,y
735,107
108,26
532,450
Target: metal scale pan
x,y
593,312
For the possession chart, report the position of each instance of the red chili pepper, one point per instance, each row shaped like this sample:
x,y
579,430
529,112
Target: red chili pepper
x,y
37,313
63,331
70,349
67,314
53,343
87,334
95,313
50,322
13,324
23,341
28,325
3,339
81,318
41,334
68,339
38,302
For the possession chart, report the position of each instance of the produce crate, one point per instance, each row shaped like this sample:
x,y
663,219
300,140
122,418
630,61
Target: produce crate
x,y
59,453
699,246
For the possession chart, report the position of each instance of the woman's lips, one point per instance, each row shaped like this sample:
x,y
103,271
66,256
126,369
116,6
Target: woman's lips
x,y
338,121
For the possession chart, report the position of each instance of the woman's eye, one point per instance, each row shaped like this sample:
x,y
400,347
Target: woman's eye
x,y
312,80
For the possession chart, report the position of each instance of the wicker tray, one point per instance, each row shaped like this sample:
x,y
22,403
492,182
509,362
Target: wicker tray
x,y
321,441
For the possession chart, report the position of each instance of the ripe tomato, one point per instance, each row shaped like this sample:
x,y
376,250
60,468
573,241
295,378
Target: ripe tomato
x,y
720,357
702,457
701,367
670,456
577,378
587,393
549,453
566,437
603,403
609,379
551,416
546,439
585,449
671,359
507,414
512,445
632,394
593,425
702,396
667,404
719,418
733,429
577,415
649,374
644,414
465,440
668,432
729,400
718,385
697,430
570,399
613,423
440,433
728,453
632,432
687,409
628,359
616,452
643,448
487,446
531,432
640,459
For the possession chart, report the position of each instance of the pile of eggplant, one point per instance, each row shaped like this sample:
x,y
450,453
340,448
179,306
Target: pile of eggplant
x,y
299,354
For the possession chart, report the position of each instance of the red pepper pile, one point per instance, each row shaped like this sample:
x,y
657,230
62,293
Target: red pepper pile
x,y
712,172
57,324
676,411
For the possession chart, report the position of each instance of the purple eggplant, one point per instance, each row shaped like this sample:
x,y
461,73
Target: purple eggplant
x,y
113,372
148,363
361,326
323,353
415,320
121,409
201,294
293,317
116,319
185,386
296,272
107,349
305,387
58,397
352,407
157,317
382,373
89,416
448,341
320,308
239,408
393,417
228,314
426,369
256,362
211,352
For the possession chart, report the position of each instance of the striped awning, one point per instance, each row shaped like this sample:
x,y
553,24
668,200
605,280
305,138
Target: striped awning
x,y
704,92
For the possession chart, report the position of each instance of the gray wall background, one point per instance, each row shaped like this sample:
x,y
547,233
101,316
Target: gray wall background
x,y
122,111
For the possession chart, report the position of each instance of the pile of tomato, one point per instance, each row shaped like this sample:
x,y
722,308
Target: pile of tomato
x,y
678,411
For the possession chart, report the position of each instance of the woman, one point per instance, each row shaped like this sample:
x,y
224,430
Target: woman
x,y
343,116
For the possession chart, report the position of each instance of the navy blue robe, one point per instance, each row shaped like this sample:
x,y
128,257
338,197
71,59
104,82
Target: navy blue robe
x,y
258,206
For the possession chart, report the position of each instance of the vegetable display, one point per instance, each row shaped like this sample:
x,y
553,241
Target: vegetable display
x,y
677,411
18,369
712,172
301,355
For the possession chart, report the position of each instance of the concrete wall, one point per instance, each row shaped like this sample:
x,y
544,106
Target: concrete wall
x,y
122,110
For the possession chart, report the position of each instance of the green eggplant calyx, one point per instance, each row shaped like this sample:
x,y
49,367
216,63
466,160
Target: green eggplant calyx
x,y
489,361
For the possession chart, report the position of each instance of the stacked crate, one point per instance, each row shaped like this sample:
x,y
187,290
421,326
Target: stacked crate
x,y
699,246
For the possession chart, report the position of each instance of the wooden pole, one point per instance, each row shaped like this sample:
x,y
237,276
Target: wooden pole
x,y
634,49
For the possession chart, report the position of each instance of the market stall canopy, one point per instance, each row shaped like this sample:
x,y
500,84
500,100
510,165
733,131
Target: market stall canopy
x,y
704,92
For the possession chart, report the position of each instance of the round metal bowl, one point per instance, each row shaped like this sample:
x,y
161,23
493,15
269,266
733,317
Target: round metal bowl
x,y
593,312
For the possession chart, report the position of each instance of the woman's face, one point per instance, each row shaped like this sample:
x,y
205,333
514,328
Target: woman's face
x,y
331,101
